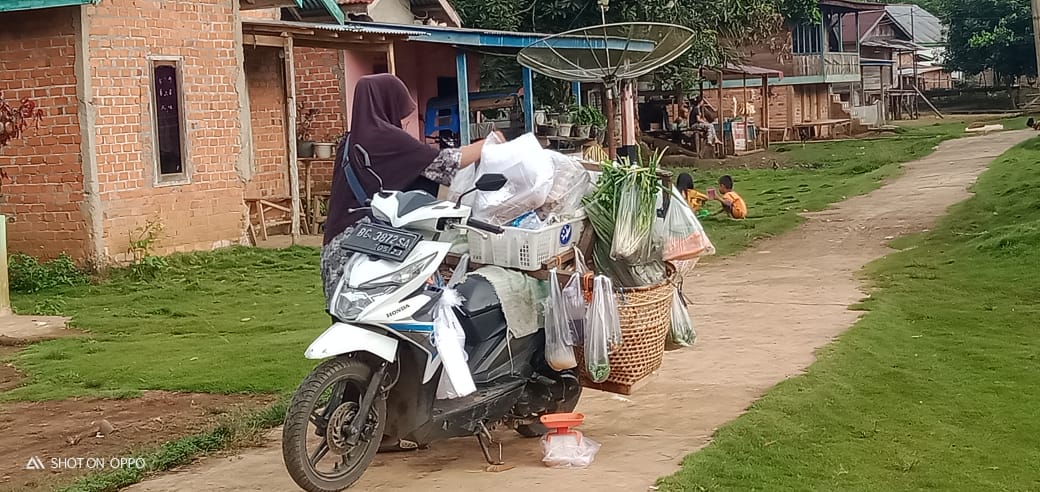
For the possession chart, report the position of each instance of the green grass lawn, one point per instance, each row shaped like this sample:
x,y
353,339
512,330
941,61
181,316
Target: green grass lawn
x,y
234,320
816,175
935,388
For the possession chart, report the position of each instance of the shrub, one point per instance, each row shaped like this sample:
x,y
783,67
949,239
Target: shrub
x,y
28,275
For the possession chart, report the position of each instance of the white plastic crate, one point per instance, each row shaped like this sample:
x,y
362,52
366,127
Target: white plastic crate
x,y
525,249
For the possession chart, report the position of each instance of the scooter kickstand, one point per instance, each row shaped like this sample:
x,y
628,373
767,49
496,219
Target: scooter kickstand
x,y
485,435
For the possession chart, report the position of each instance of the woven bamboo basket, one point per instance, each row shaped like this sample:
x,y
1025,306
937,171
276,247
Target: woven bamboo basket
x,y
646,317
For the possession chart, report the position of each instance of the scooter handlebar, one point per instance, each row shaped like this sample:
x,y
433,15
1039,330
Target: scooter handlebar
x,y
484,226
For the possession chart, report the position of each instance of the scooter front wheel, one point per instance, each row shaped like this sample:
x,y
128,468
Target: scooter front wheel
x,y
315,444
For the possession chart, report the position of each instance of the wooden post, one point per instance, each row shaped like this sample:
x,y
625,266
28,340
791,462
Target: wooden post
x,y
294,166
1036,33
765,109
391,61
5,286
859,53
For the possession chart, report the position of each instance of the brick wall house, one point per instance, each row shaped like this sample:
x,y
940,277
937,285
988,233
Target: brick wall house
x,y
143,120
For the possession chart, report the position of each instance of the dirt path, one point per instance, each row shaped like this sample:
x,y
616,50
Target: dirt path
x,y
766,313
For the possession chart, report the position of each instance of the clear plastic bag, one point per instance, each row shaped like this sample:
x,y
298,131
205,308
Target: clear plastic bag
x,y
570,450
602,330
571,182
559,340
684,237
631,233
681,333
450,340
576,302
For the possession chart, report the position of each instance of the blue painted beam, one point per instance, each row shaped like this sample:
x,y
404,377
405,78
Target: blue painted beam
x,y
12,5
576,90
462,74
528,101
514,40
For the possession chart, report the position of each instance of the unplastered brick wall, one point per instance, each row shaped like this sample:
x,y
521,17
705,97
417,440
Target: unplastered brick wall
x,y
319,74
267,113
206,210
752,96
44,196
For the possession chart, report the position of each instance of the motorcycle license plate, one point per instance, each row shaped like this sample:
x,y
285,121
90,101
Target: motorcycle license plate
x,y
379,241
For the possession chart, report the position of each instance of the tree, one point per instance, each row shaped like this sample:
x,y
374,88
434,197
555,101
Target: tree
x,y
990,34
722,27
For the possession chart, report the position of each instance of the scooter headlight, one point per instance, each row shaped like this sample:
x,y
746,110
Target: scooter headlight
x,y
400,276
349,302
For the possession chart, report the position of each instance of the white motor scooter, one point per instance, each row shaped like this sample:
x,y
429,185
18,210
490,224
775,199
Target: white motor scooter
x,y
379,384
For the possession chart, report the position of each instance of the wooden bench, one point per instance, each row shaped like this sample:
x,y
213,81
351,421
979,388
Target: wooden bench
x,y
315,217
266,209
814,128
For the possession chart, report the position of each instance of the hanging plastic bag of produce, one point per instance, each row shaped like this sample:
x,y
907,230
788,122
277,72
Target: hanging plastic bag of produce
x,y
682,333
574,298
635,218
684,237
602,330
450,339
559,341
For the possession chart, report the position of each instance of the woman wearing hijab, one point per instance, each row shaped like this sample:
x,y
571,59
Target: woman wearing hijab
x,y
404,163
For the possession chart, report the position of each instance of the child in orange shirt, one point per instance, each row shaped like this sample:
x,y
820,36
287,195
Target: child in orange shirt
x,y
731,202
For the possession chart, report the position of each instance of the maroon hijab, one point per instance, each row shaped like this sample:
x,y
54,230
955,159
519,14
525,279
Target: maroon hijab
x,y
380,103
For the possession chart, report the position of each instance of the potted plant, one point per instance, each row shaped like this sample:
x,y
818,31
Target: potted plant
x,y
565,124
585,119
304,130
327,147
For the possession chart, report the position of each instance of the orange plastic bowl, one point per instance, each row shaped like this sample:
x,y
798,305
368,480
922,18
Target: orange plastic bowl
x,y
562,421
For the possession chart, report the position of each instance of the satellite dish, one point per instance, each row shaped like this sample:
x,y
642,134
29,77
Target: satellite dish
x,y
608,52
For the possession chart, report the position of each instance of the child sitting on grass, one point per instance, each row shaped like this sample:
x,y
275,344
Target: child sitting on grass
x,y
731,202
696,199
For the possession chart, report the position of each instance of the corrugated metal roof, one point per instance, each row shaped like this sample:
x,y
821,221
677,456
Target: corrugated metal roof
x,y
926,28
355,27
12,5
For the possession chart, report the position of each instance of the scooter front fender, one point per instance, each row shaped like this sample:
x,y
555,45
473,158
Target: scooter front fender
x,y
342,338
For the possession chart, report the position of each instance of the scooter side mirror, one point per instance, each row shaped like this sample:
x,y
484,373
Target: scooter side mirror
x,y
491,182
487,182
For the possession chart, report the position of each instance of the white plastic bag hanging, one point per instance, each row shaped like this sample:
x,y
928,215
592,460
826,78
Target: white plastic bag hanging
x,y
602,330
529,173
559,340
681,333
570,450
684,237
450,340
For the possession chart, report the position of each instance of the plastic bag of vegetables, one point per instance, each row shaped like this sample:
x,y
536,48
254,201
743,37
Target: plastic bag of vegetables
x,y
635,218
574,300
602,330
684,237
681,333
559,340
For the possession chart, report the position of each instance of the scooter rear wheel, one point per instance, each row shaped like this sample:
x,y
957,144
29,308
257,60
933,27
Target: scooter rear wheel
x,y
346,379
